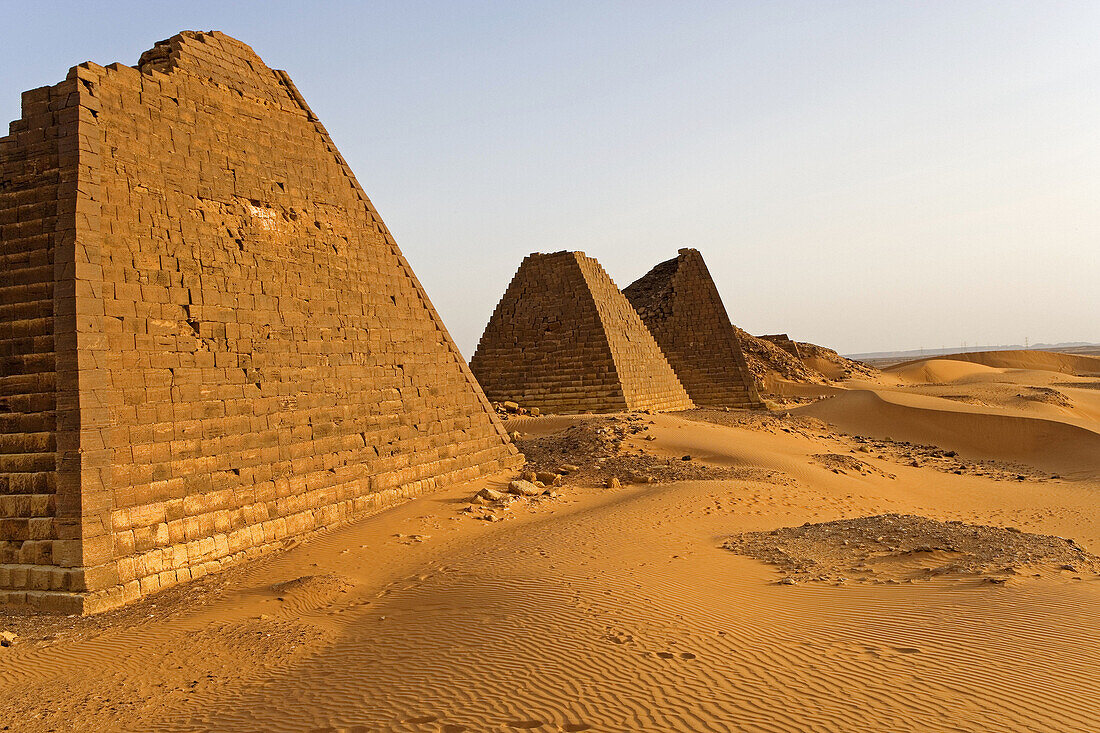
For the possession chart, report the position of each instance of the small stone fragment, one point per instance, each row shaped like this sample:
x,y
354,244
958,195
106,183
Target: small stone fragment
x,y
524,488
489,494
613,483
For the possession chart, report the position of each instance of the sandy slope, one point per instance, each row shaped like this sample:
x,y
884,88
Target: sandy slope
x,y
619,610
1077,364
1053,445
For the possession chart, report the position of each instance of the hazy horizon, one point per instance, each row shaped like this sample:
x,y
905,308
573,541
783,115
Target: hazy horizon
x,y
868,176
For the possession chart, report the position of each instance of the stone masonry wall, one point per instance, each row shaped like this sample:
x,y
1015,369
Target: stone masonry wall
x,y
682,308
40,510
563,339
253,357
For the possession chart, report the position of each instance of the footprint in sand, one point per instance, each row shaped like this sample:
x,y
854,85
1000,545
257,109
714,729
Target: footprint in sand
x,y
527,724
671,655
575,727
423,719
907,649
620,637
452,728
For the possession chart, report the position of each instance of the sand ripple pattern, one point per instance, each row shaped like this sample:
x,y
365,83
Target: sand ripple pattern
x,y
565,625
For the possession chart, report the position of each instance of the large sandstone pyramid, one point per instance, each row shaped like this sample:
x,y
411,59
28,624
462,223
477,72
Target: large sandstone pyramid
x,y
564,339
209,340
680,305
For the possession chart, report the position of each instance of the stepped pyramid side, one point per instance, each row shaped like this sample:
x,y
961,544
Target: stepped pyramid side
x,y
210,341
680,305
648,380
563,339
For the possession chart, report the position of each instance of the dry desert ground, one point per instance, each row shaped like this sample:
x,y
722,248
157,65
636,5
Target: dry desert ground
x,y
964,597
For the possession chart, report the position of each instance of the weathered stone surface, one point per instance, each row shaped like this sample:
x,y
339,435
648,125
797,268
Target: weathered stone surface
x,y
209,340
784,342
682,308
564,339
489,494
524,488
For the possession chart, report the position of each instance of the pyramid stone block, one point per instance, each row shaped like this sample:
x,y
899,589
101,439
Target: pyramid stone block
x,y
209,341
680,305
784,342
564,339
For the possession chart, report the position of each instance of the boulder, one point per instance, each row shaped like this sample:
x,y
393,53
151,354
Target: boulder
x,y
524,488
488,494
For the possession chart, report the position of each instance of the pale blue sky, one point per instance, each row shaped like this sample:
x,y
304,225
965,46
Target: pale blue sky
x,y
864,175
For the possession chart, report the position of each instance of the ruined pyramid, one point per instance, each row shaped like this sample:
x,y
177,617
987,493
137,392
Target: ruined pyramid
x,y
784,342
680,305
564,339
210,342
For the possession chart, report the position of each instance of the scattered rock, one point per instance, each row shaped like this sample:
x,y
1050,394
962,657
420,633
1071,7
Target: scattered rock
x,y
613,483
488,494
524,488
548,478
511,406
592,450
7,638
891,548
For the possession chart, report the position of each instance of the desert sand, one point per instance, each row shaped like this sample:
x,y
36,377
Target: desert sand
x,y
651,606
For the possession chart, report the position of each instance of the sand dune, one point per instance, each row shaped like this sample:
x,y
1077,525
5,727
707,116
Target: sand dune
x,y
1076,364
939,370
1051,445
621,610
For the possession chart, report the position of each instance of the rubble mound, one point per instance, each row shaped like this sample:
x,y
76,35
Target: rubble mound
x,y
831,364
767,361
1046,395
595,451
844,464
892,548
